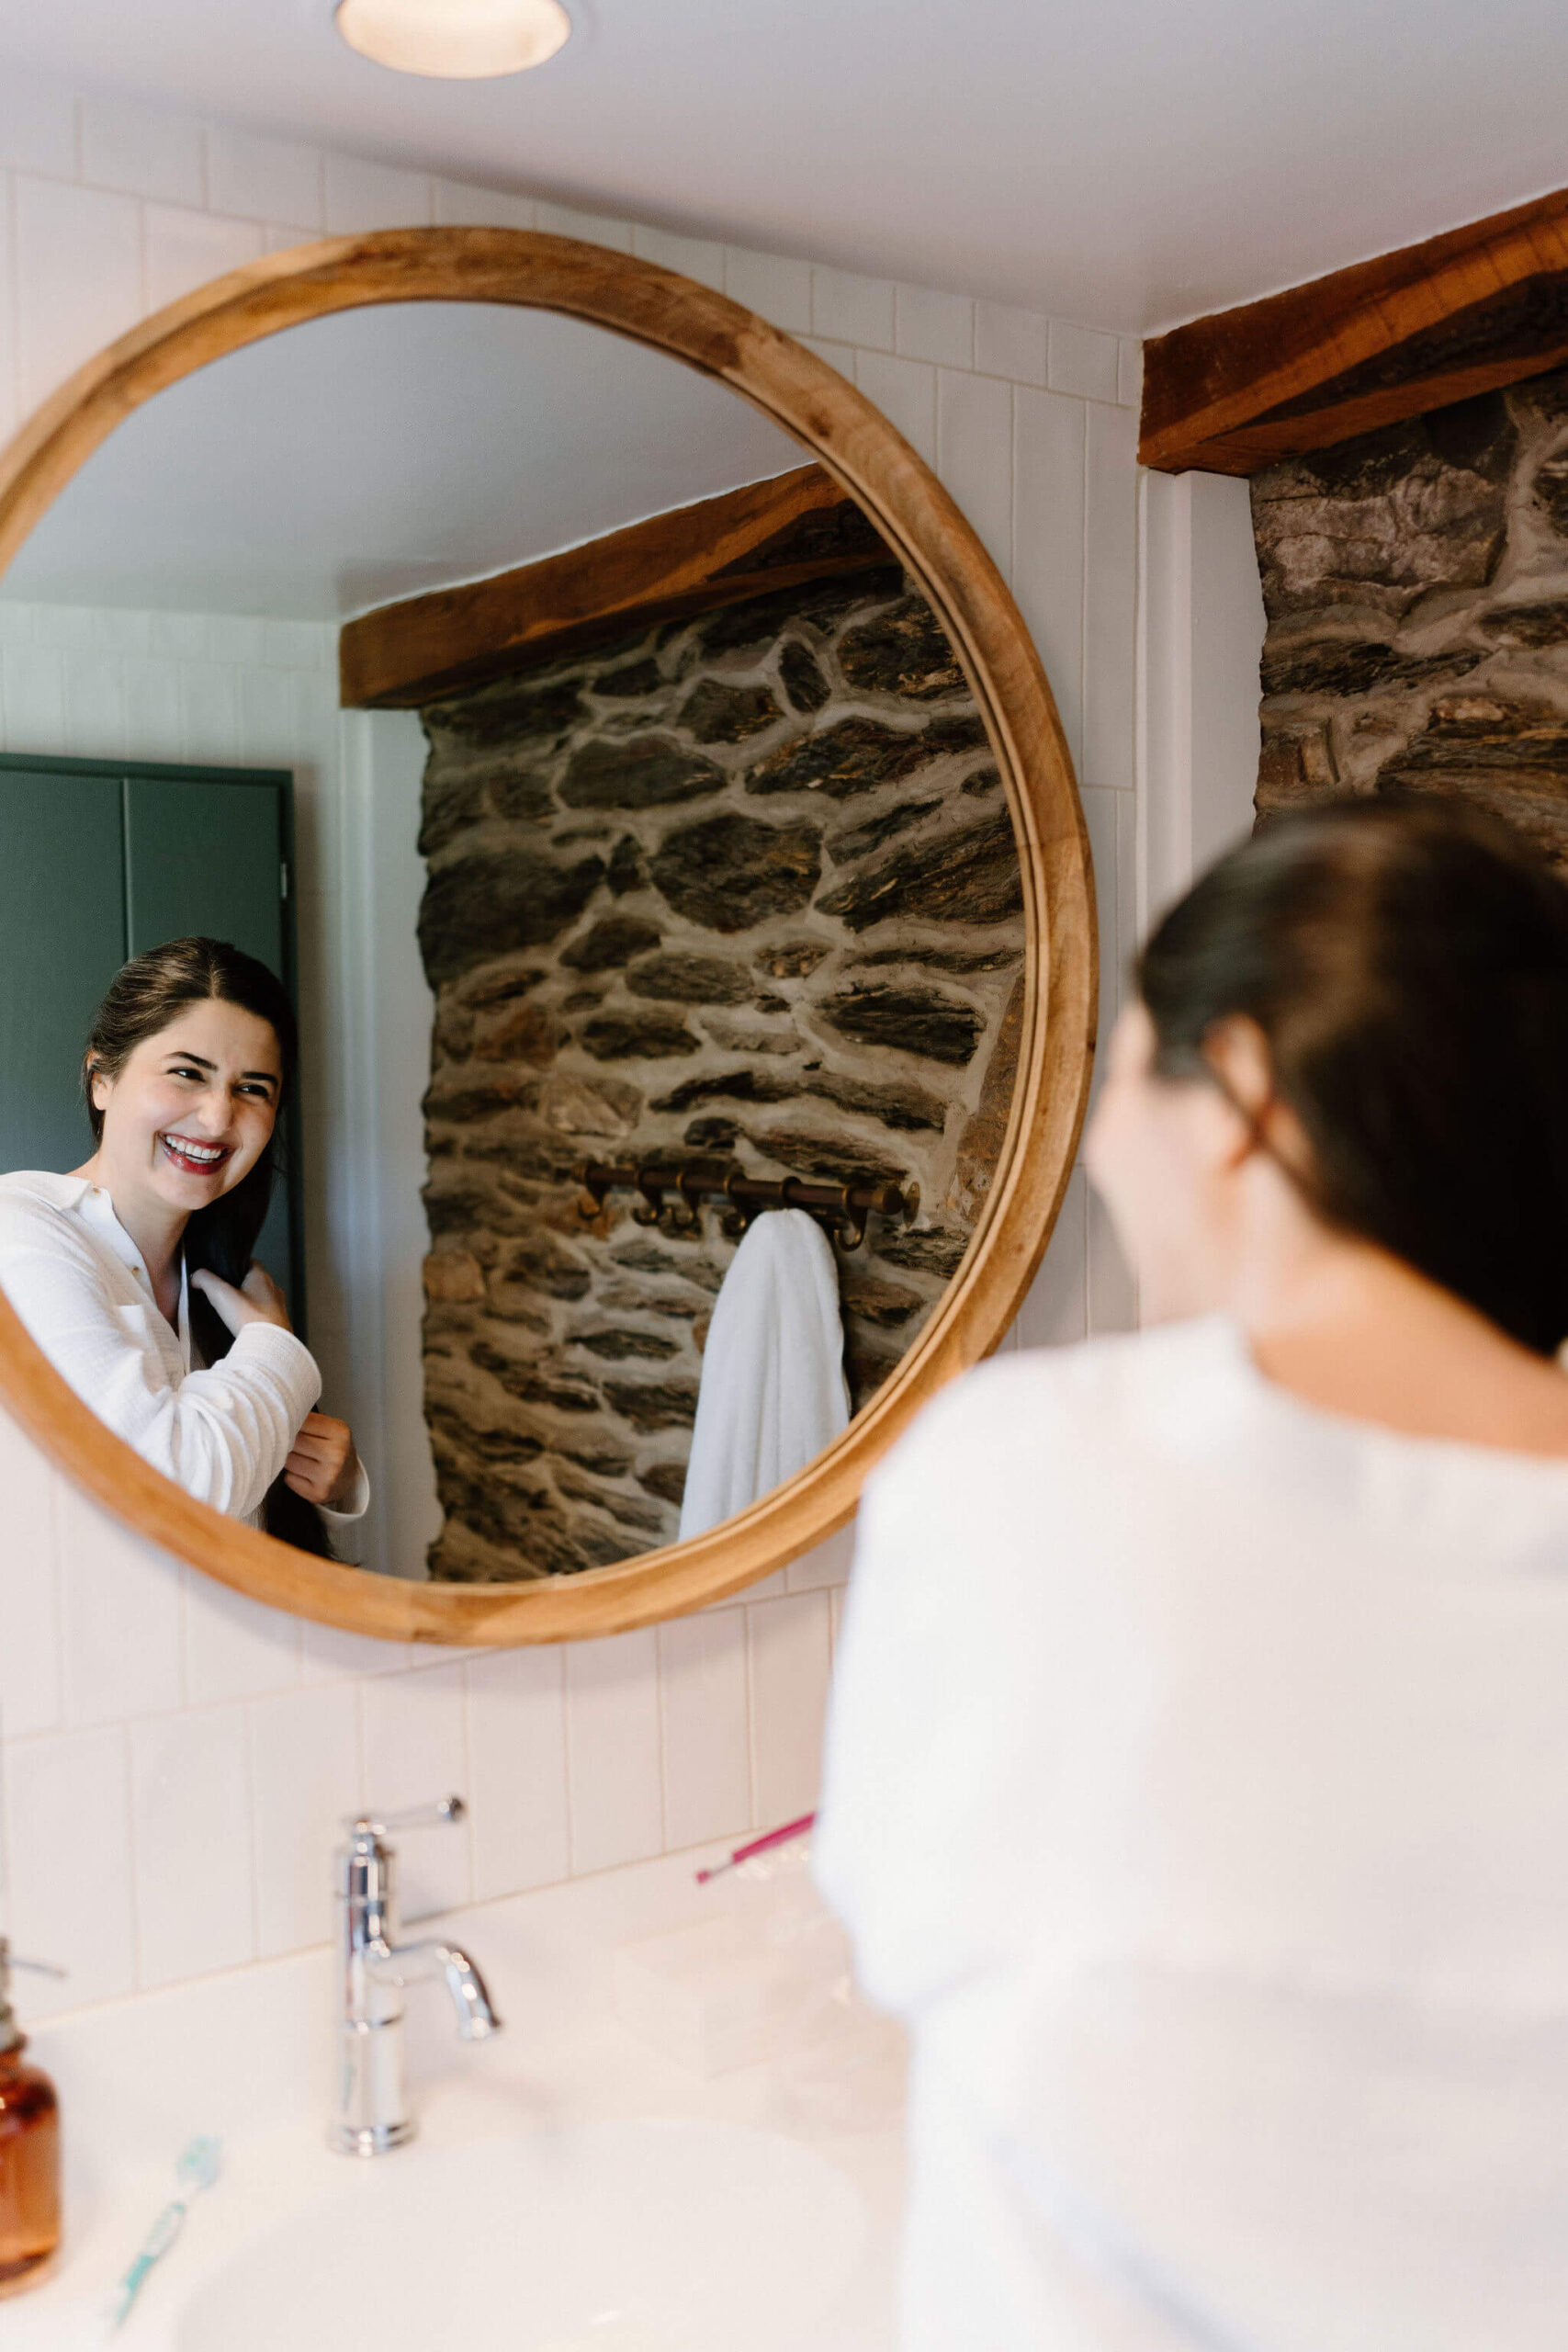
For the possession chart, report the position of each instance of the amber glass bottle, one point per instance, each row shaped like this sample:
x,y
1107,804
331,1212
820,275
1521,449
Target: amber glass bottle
x,y
30,2156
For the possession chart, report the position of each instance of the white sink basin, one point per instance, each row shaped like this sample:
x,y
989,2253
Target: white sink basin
x,y
679,2236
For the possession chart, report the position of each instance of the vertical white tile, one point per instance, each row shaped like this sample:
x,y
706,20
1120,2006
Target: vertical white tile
x,y
190,1798
974,451
1054,1314
143,150
1109,594
282,236
68,1843
29,1589
154,730
184,635
777,289
209,709
517,1771
707,1777
95,705
415,1751
361,196
1126,901
589,227
1010,342
790,1657
267,717
461,206
827,1562
939,327
37,123
234,637
851,309
186,249
698,257
1048,542
1082,361
1099,808
78,278
904,391
32,690
836,1615
73,628
305,1772
300,645
1112,1292
117,629
264,179
613,1760
234,1648
120,1618
1130,373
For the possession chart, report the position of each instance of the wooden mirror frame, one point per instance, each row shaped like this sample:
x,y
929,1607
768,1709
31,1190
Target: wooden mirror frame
x,y
930,538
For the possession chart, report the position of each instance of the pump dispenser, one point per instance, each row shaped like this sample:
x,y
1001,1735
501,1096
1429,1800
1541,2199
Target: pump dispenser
x,y
29,2148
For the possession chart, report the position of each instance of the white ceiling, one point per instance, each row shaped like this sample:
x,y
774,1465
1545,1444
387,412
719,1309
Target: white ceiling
x,y
1125,162
444,440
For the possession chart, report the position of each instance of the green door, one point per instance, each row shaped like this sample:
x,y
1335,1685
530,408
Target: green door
x,y
61,941
100,861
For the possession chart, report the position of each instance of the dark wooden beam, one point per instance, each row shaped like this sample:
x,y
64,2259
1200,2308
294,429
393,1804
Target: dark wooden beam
x,y
1465,312
798,526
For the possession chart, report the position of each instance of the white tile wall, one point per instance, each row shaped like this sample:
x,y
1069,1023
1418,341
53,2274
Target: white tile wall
x,y
192,1752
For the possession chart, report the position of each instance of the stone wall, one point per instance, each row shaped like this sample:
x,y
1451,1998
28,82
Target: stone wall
x,y
745,886
1416,588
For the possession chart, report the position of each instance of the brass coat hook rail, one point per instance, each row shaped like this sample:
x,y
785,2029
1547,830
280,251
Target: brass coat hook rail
x,y
675,1190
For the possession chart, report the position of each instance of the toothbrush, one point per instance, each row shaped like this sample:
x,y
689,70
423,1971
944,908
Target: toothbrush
x,y
197,2170
759,1846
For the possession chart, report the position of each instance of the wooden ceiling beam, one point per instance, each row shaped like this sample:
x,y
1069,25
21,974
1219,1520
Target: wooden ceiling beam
x,y
1465,312
778,533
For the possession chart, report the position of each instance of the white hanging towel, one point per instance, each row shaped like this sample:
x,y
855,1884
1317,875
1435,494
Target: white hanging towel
x,y
773,1390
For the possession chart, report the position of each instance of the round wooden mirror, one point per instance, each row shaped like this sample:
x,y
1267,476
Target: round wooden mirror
x,y
920,525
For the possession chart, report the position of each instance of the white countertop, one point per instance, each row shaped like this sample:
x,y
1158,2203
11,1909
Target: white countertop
x,y
247,2057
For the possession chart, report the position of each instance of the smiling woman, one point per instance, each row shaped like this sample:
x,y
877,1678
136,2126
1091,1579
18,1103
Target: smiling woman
x,y
134,1274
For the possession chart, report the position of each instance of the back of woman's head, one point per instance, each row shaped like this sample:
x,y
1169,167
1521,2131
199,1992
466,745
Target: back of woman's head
x,y
1408,967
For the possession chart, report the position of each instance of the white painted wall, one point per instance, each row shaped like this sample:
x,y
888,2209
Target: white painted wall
x,y
175,1758
1200,641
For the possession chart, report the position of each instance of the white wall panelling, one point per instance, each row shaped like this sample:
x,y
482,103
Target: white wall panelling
x,y
121,1674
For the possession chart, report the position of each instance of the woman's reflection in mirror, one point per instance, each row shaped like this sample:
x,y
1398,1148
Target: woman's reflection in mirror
x,y
135,1273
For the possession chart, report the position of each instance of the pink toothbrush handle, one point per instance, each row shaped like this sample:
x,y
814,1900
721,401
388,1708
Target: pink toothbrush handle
x,y
759,1846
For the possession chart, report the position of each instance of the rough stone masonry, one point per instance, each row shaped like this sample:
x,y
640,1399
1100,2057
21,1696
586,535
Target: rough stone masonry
x,y
1416,588
744,887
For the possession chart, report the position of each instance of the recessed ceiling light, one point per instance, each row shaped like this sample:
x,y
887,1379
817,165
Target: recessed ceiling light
x,y
457,40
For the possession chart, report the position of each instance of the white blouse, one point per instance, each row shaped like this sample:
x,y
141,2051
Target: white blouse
x,y
79,1282
1197,1790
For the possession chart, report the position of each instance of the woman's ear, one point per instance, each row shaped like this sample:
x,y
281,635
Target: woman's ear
x,y
1238,1051
97,1088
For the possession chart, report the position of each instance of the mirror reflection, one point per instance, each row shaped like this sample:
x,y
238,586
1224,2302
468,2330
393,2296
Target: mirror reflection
x,y
510,711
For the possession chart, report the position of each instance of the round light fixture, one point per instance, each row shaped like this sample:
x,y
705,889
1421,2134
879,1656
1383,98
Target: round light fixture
x,y
458,40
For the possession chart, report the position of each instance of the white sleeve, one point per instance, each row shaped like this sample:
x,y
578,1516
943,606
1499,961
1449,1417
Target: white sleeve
x,y
223,1434
939,1733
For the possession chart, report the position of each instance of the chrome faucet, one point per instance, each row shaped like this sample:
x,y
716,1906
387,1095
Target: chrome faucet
x,y
371,2113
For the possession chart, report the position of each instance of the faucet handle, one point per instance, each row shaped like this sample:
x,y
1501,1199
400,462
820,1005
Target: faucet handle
x,y
364,1827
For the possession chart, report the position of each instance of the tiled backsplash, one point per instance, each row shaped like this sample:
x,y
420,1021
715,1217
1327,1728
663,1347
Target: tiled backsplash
x,y
175,1757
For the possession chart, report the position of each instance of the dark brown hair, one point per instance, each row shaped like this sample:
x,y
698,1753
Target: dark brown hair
x,y
144,997
1408,967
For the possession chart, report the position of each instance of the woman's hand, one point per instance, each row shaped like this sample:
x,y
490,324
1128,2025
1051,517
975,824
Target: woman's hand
x,y
256,1300
323,1467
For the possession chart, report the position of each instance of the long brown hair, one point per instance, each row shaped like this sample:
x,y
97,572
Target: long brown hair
x,y
1408,965
143,997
